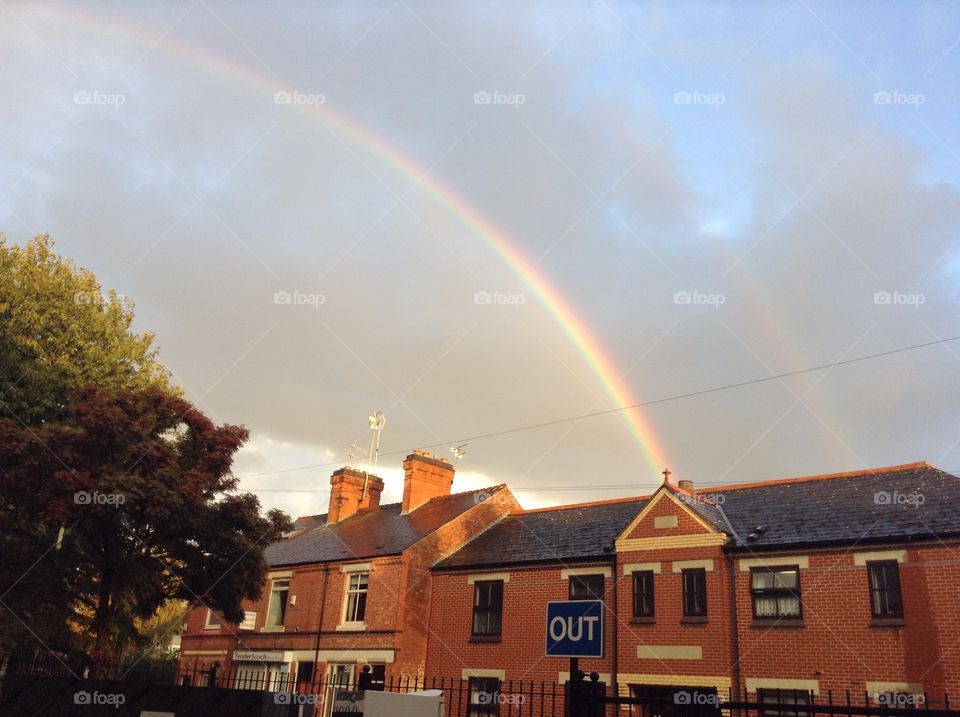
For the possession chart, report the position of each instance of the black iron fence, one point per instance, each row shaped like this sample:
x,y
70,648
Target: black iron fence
x,y
511,698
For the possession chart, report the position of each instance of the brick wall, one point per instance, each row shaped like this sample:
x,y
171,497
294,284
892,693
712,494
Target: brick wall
x,y
706,644
397,601
520,652
839,647
835,646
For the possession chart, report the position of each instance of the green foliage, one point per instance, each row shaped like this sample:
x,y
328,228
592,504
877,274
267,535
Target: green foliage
x,y
59,330
141,480
85,406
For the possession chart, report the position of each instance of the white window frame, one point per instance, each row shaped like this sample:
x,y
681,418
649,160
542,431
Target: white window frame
x,y
353,624
207,625
249,621
273,581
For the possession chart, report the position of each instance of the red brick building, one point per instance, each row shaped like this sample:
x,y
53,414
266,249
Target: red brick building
x,y
348,588
837,582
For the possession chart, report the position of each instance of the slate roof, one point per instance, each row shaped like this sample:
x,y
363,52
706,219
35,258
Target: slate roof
x,y
704,506
914,501
371,533
899,503
565,534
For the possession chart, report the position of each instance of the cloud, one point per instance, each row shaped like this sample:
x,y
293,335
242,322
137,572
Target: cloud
x,y
201,199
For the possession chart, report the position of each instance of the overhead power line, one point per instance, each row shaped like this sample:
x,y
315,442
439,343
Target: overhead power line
x,y
642,404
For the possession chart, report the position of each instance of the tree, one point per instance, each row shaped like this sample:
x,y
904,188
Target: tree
x,y
59,331
141,481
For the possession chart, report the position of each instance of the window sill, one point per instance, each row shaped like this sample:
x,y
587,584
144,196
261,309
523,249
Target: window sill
x,y
211,627
352,627
272,628
643,621
694,620
484,638
888,622
768,623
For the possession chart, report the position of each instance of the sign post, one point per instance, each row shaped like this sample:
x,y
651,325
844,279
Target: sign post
x,y
575,630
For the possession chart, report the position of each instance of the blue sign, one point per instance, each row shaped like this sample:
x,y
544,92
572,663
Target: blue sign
x,y
575,628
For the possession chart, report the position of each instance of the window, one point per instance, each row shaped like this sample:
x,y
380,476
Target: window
x,y
694,592
487,608
305,672
249,621
277,609
213,620
782,699
356,605
484,696
643,594
885,598
776,592
378,677
586,587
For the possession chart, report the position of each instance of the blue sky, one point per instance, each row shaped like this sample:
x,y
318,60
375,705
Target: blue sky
x,y
738,150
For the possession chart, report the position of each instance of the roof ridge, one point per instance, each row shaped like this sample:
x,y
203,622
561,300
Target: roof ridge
x,y
489,488
587,504
820,476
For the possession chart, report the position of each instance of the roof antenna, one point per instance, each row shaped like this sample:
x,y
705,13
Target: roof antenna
x,y
376,428
355,453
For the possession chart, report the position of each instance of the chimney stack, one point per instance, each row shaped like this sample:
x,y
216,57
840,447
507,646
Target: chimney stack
x,y
686,485
351,491
425,476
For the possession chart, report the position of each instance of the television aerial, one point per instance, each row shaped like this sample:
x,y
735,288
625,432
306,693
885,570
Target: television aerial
x,y
376,428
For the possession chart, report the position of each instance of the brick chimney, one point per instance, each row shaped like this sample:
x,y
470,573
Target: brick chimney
x,y
425,476
347,494
686,485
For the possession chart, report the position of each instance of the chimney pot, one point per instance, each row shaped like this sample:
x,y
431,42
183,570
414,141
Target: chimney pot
x,y
351,491
425,476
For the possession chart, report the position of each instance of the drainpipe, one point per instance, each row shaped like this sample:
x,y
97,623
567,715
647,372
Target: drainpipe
x,y
615,675
735,644
323,602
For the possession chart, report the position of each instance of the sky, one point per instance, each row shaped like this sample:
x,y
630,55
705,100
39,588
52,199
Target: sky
x,y
477,217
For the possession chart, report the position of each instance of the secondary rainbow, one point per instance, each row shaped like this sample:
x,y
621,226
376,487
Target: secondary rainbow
x,y
571,324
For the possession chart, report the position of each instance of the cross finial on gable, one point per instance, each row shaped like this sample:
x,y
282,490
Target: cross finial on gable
x,y
666,475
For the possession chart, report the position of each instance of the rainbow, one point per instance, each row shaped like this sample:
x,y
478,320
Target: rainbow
x,y
572,325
